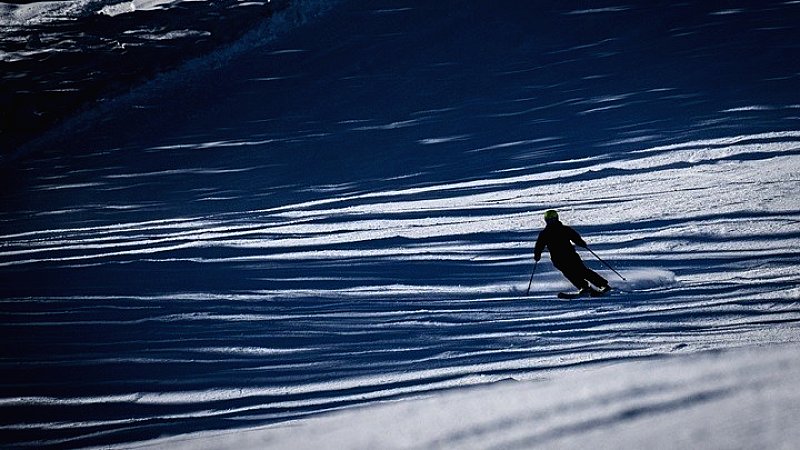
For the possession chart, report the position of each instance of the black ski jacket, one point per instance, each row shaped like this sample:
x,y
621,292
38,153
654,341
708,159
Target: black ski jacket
x,y
558,239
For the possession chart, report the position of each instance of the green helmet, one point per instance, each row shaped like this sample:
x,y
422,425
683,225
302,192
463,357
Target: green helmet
x,y
550,215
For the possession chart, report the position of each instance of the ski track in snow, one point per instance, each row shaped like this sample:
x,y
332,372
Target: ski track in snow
x,y
339,330
737,399
183,292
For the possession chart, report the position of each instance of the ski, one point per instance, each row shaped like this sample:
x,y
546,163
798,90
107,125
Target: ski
x,y
588,292
570,295
599,293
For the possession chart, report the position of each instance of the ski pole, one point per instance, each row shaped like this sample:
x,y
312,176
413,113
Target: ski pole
x,y
607,264
531,282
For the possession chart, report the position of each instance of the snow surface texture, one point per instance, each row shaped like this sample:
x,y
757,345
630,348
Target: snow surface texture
x,y
732,400
343,214
57,58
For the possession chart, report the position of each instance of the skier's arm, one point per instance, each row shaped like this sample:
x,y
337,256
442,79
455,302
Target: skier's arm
x,y
576,238
537,251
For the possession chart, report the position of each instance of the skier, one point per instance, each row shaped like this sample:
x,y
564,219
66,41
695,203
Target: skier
x,y
558,239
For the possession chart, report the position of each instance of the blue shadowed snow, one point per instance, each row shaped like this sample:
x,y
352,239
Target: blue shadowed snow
x,y
339,209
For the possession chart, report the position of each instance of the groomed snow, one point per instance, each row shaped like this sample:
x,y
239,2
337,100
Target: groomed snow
x,y
326,232
738,399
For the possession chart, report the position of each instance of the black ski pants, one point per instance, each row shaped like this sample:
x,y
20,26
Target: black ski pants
x,y
578,274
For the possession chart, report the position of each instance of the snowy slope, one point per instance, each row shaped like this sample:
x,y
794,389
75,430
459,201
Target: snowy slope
x,y
339,212
731,400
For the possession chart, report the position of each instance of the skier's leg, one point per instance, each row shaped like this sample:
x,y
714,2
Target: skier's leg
x,y
573,273
594,278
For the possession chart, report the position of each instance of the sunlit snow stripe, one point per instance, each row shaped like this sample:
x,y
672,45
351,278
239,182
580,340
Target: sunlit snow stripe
x,y
379,386
175,223
657,176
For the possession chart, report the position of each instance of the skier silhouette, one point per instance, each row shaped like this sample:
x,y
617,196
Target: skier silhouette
x,y
558,239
